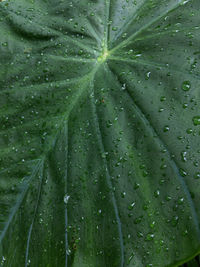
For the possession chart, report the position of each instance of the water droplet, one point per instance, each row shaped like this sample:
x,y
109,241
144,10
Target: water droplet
x,y
130,207
123,86
148,75
114,28
123,194
185,105
186,85
163,98
104,154
138,220
183,156
197,175
157,193
180,201
150,237
136,186
183,173
185,232
166,129
140,234
152,224
189,131
66,198
131,257
174,221
196,120
68,251
3,260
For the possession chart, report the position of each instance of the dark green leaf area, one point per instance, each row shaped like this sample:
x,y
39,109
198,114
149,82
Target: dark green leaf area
x,y
99,133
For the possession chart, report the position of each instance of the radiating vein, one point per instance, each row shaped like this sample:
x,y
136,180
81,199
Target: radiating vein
x,y
20,199
165,32
168,67
69,58
35,213
53,32
37,24
107,21
130,20
108,179
145,26
94,33
65,181
141,113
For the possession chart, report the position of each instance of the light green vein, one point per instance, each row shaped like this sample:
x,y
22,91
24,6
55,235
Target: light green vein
x,y
69,58
19,199
108,179
173,162
34,215
145,26
168,67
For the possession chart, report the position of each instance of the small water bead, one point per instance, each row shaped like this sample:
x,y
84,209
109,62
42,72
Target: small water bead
x,y
145,206
174,221
131,257
148,75
196,120
138,220
182,172
140,234
163,166
104,155
168,198
66,198
185,105
123,194
136,186
166,129
123,87
114,28
197,175
189,131
145,173
3,260
161,182
156,193
131,206
152,225
130,52
196,164
185,232
186,85
5,44
150,236
181,201
163,98
68,251
183,156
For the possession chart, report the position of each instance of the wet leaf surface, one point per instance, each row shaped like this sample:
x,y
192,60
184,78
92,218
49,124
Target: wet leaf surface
x,y
99,133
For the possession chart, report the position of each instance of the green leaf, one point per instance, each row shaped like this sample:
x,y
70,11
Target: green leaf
x,y
99,133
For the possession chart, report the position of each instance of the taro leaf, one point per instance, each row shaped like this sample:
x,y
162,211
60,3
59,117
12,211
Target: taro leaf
x,y
99,132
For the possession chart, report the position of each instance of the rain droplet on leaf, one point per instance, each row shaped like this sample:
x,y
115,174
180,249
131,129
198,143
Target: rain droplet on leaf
x,y
186,85
196,120
66,199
